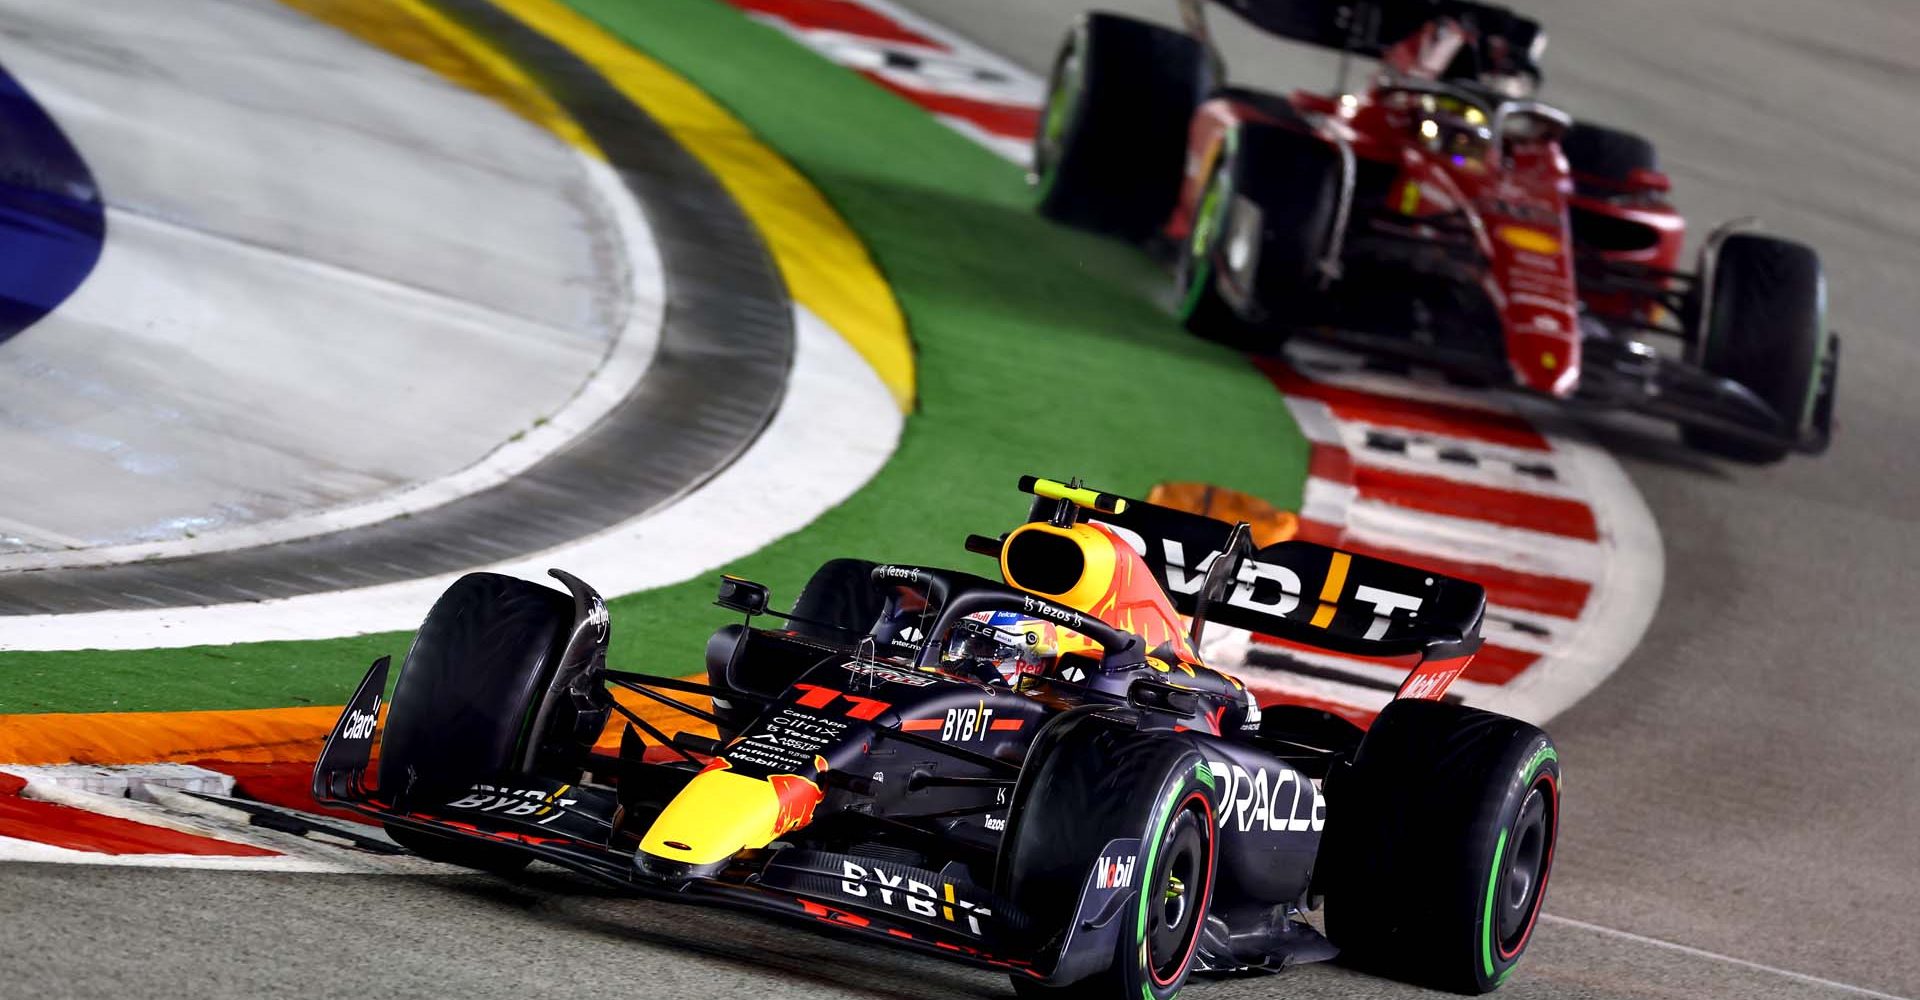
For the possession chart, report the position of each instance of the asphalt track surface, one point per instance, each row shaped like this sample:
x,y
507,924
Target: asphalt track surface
x,y
715,381
1744,786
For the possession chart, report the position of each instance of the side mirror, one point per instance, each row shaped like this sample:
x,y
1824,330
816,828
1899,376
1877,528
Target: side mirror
x,y
744,596
1644,179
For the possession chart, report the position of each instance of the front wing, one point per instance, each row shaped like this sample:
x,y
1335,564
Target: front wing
x,y
571,825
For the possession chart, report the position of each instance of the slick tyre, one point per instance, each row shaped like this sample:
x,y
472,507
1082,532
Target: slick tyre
x,y
1765,328
1260,234
1438,844
471,681
1089,782
839,602
1113,137
1603,159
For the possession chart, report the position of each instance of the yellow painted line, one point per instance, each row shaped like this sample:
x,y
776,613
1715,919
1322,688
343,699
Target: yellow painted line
x,y
417,32
826,267
1330,590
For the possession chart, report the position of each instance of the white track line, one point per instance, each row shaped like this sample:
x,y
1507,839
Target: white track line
x,y
836,415
1772,970
626,361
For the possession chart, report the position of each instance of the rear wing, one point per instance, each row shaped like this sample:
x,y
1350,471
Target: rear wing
x,y
1297,591
1369,27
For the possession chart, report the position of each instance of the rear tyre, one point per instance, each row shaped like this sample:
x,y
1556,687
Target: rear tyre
x,y
1104,782
1765,328
1603,159
839,601
1438,845
1110,151
1260,235
466,696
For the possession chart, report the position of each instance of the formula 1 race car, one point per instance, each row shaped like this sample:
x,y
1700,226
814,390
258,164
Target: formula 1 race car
x,y
1038,776
1441,214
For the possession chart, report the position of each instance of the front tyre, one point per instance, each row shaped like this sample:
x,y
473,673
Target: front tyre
x,y
1438,845
1261,236
1110,151
1764,327
1105,782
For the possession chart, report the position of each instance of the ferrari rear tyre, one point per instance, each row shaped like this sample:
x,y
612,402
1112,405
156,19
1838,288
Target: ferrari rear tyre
x,y
1105,782
468,689
1765,328
1603,159
1260,235
1112,143
839,601
1438,844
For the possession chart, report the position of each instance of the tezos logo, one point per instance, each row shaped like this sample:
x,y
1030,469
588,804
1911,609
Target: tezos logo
x,y
1045,610
360,724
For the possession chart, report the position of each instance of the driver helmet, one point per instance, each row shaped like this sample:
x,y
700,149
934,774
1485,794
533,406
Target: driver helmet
x,y
1454,126
1010,644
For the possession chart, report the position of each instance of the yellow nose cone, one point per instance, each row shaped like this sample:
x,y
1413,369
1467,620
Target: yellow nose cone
x,y
721,813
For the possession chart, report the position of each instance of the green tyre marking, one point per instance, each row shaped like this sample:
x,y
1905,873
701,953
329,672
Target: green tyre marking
x,y
1486,917
1199,246
1153,852
1540,757
1060,104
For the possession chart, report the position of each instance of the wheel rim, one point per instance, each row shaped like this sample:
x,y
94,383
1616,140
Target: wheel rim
x,y
1523,872
1178,894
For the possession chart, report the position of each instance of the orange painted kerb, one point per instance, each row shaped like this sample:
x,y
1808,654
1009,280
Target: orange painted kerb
x,y
258,735
263,735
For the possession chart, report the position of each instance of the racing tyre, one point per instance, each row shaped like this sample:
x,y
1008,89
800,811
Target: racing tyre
x,y
1438,844
839,601
1604,159
1765,328
1112,142
1104,782
465,699
1260,233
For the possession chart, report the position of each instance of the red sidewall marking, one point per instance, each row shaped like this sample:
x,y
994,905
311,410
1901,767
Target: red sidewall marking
x,y
1546,869
1206,891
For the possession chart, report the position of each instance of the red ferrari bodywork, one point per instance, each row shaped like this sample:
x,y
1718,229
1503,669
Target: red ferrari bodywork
x,y
1519,201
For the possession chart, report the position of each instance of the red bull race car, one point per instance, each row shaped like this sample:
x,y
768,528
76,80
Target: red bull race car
x,y
1439,213
1036,773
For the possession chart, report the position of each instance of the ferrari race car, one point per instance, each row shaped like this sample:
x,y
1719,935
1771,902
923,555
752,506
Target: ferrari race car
x,y
1036,774
1440,214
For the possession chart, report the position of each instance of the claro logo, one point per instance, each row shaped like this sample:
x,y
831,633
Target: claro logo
x,y
1273,801
360,724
